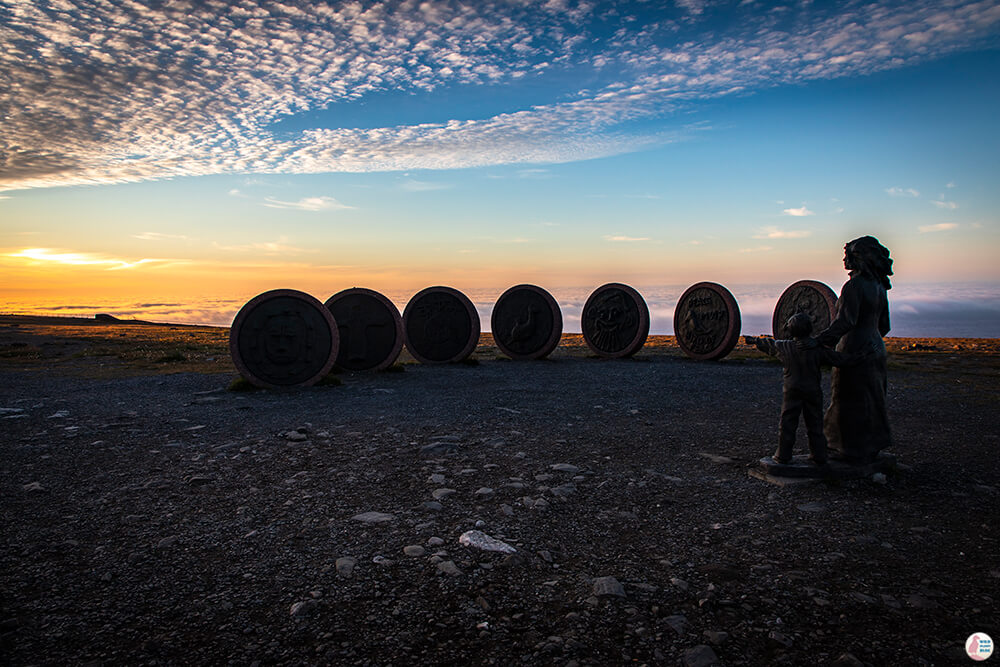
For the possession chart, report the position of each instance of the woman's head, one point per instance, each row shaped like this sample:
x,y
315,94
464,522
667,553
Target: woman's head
x,y
870,257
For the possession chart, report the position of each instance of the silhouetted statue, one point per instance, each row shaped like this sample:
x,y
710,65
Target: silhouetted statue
x,y
803,392
856,423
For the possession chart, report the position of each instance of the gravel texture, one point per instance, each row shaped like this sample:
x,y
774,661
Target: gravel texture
x,y
165,520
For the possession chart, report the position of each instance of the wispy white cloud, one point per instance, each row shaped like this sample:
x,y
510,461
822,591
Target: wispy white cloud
x,y
940,227
798,212
157,236
771,232
760,248
411,185
948,205
118,92
308,204
950,185
626,239
902,192
81,258
279,247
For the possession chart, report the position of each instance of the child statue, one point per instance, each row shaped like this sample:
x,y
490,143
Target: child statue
x,y
802,357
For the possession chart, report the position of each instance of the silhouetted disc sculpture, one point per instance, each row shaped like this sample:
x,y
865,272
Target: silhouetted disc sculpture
x,y
811,297
283,338
371,331
526,322
440,326
707,321
615,321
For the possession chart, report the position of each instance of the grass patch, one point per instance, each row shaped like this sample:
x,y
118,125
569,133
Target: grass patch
x,y
241,384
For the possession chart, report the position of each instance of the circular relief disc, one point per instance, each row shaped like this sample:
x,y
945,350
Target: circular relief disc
x,y
811,297
371,331
707,321
615,321
526,322
283,338
440,326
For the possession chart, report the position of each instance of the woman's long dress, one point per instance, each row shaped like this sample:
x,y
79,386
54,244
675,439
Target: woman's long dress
x,y
856,424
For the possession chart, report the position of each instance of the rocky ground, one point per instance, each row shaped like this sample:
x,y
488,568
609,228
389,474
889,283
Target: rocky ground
x,y
162,519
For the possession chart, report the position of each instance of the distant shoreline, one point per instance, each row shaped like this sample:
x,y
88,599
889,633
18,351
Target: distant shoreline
x,y
898,342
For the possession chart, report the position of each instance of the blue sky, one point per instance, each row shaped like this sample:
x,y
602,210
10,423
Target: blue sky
x,y
153,147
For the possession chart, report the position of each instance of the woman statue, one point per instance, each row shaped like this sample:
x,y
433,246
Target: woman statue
x,y
856,423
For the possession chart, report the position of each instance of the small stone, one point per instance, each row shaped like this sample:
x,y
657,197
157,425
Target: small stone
x,y
432,506
345,566
847,660
778,640
811,507
678,622
34,487
435,542
440,494
608,587
680,583
199,480
878,478
701,655
414,550
484,493
540,504
436,478
373,517
716,637
477,539
565,467
448,567
507,509
304,608
167,542
295,436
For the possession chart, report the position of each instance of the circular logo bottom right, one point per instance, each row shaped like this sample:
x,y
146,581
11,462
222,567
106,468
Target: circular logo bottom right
x,y
979,646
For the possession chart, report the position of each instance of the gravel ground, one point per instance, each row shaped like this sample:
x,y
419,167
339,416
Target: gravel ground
x,y
165,520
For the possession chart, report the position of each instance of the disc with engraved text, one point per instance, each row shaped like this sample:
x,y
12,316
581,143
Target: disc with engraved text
x,y
526,322
440,326
811,297
615,321
283,338
707,321
371,331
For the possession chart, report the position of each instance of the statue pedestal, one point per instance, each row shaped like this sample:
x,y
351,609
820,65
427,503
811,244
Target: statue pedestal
x,y
800,471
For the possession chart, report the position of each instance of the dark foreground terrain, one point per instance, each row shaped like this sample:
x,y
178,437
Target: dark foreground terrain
x,y
154,517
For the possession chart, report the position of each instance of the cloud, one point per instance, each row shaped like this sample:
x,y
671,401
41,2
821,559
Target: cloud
x,y
99,93
760,248
279,247
798,212
626,239
940,227
902,192
949,205
81,258
156,236
308,204
950,185
411,185
775,233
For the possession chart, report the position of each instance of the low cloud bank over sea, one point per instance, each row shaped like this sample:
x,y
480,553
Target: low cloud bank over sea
x,y
931,310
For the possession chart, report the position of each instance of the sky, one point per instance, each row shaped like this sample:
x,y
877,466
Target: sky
x,y
175,159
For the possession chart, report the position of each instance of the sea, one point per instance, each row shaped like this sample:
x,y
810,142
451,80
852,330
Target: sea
x,y
917,310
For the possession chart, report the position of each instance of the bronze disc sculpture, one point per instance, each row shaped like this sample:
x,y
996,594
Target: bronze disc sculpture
x,y
526,322
440,326
811,297
283,338
371,331
615,321
707,321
